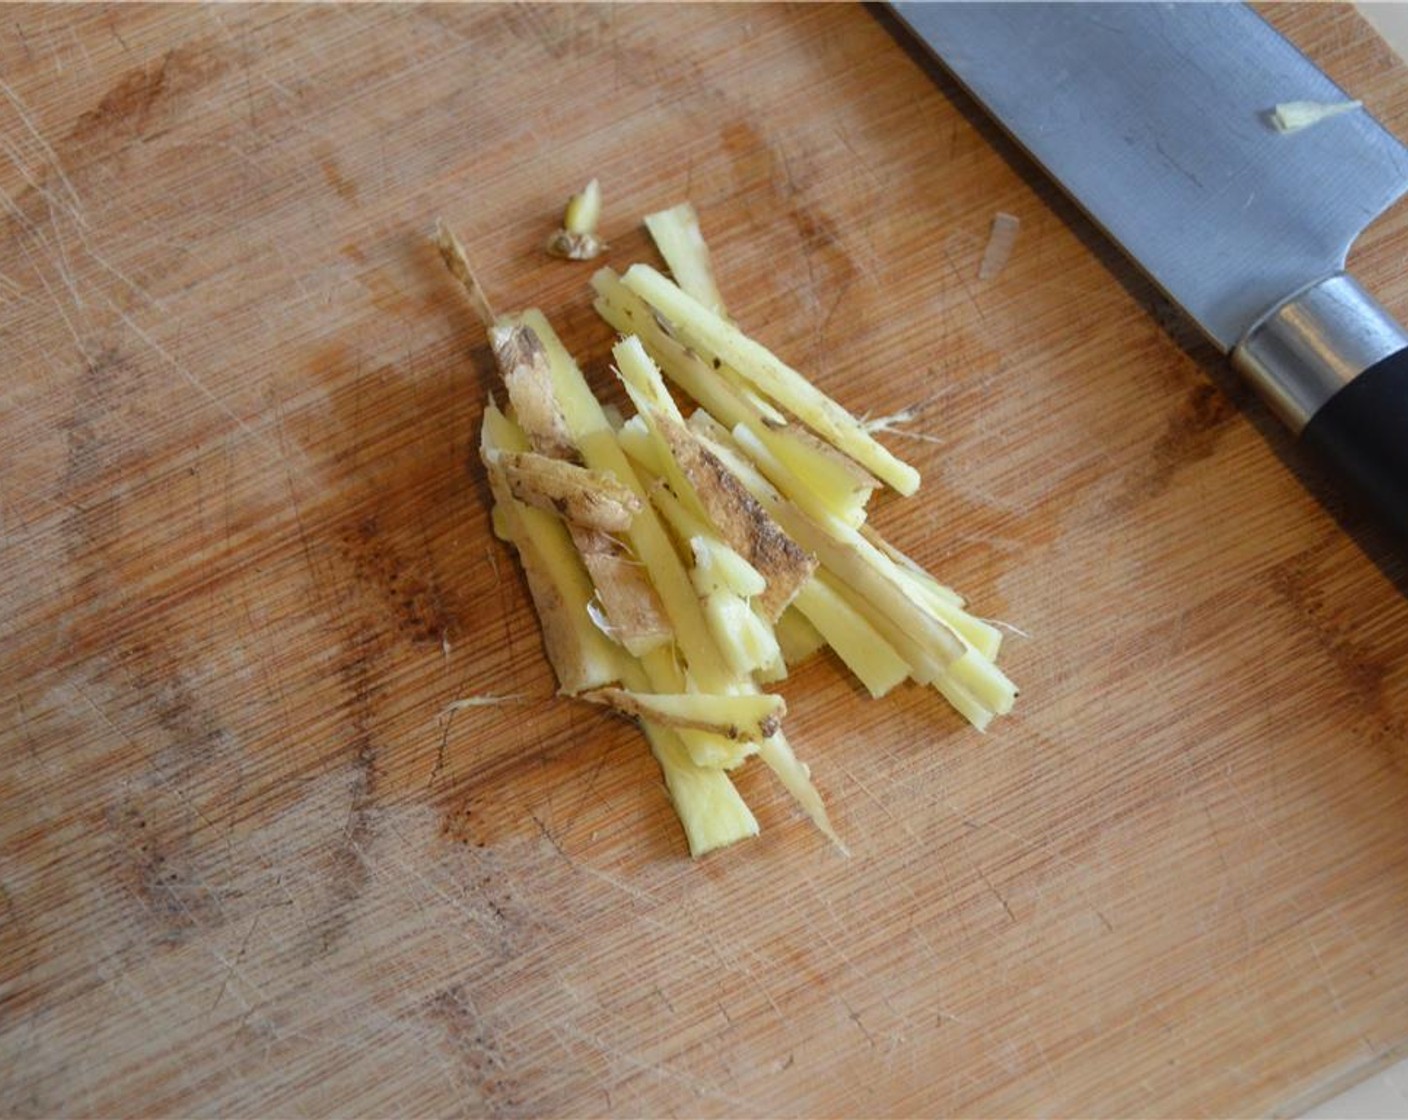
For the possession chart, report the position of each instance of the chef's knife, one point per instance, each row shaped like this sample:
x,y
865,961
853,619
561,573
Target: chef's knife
x,y
1156,118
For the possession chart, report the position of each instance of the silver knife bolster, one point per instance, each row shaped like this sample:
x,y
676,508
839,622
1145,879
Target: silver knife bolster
x,y
1307,348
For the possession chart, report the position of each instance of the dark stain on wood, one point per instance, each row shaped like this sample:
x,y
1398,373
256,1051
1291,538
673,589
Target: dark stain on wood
x,y
93,434
104,443
105,379
196,743
344,187
142,105
358,671
145,101
348,874
1341,639
1192,433
479,820
181,752
99,440
470,1041
154,856
424,613
390,500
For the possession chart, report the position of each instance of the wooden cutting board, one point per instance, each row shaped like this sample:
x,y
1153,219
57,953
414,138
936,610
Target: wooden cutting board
x,y
249,867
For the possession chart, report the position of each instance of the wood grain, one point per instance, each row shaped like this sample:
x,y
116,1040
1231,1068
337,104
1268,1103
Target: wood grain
x,y
246,868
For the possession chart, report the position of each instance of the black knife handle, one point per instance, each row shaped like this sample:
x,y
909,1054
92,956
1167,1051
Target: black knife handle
x,y
1362,434
1332,363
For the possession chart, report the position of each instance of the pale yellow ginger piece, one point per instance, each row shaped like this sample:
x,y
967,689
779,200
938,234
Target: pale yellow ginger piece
x,y
498,521
457,261
715,752
710,809
632,610
664,674
583,210
943,601
775,670
914,620
654,406
867,579
719,568
796,637
705,331
817,477
628,601
935,588
577,240
721,575
796,777
820,478
774,417
709,806
749,718
1001,239
973,669
824,502
710,487
929,645
726,583
685,523
856,642
637,442
1292,116
677,235
569,654
728,587
584,497
524,367
984,681
581,657
746,641
595,440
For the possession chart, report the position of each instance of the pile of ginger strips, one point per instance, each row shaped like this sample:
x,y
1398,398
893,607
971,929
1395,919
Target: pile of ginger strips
x,y
679,564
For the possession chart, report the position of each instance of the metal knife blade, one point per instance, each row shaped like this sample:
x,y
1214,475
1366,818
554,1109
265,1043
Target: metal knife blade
x,y
1155,118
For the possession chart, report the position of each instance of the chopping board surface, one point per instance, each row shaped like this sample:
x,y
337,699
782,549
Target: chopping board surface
x,y
249,865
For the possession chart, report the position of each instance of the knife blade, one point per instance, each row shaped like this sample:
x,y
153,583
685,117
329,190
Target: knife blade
x,y
1156,119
